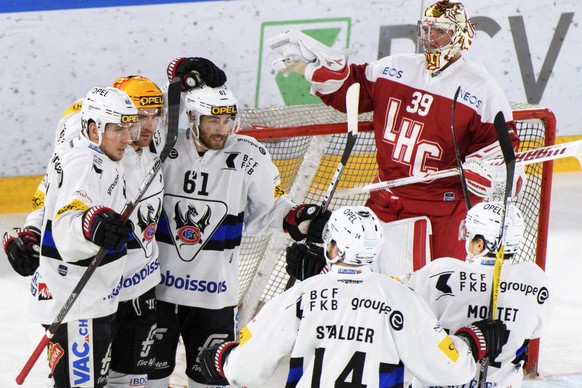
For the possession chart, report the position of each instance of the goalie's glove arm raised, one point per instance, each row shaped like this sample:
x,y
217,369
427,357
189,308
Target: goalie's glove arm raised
x,y
324,67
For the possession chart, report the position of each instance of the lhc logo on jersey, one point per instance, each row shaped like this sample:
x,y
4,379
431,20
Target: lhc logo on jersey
x,y
195,221
147,220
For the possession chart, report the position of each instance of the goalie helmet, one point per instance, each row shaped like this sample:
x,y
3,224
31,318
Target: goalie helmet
x,y
107,106
143,92
444,17
357,233
485,219
207,101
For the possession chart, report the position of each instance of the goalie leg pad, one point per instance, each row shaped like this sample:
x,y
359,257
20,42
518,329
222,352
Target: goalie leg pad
x,y
406,247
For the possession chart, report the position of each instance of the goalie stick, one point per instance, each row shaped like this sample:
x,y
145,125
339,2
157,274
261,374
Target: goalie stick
x,y
352,106
458,153
174,91
536,155
509,158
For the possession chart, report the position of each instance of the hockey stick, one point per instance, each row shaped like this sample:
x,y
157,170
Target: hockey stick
x,y
509,158
352,106
173,118
458,153
536,155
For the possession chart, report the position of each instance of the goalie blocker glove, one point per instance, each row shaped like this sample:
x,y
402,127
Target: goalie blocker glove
x,y
212,359
304,260
297,221
485,338
103,227
195,71
23,251
488,181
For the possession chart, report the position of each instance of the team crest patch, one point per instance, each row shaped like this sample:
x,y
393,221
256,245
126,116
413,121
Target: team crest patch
x,y
147,222
195,223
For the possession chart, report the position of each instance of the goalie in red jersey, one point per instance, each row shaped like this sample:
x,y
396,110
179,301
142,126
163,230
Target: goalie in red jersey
x,y
411,96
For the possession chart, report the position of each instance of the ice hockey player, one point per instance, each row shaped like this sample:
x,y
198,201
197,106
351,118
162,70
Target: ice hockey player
x,y
85,193
351,326
411,97
459,292
217,183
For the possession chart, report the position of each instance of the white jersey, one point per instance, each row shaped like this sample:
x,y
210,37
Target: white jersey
x,y
207,201
142,271
352,327
76,180
459,292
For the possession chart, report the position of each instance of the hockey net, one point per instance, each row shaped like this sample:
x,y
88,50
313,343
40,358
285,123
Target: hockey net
x,y
306,143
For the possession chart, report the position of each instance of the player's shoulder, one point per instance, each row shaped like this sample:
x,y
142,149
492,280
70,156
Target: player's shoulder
x,y
398,64
528,270
445,263
247,144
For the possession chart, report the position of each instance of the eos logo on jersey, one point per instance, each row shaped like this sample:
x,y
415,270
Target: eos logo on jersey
x,y
223,110
392,72
471,99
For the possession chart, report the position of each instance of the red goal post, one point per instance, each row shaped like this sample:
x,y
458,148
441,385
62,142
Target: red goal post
x,y
306,143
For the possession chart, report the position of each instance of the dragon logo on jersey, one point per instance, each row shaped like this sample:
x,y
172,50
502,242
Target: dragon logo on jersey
x,y
195,223
191,225
147,220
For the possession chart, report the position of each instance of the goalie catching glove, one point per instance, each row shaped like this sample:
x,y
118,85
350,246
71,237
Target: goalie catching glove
x,y
304,260
488,181
195,71
22,251
485,338
324,67
212,359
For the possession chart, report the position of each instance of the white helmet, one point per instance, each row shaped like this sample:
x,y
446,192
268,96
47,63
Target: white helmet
x,y
207,101
484,219
357,233
447,16
109,106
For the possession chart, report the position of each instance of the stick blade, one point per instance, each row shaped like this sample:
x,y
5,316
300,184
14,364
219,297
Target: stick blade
x,y
352,107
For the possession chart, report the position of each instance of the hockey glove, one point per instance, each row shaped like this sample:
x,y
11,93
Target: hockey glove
x,y
488,181
316,226
304,260
326,68
212,361
103,227
296,223
196,71
485,338
22,251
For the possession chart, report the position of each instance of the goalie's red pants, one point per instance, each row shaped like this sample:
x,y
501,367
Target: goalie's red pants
x,y
444,217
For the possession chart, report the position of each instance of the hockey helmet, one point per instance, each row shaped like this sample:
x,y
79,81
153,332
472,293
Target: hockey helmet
x,y
207,101
143,92
485,218
444,17
109,106
357,232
